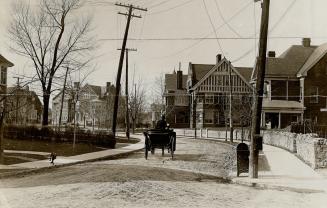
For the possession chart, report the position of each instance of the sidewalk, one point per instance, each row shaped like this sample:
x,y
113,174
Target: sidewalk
x,y
285,172
60,161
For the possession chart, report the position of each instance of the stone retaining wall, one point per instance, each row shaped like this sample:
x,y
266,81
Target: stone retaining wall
x,y
285,140
308,147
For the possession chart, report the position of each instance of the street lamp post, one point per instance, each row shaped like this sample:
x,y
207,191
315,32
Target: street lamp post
x,y
76,106
76,103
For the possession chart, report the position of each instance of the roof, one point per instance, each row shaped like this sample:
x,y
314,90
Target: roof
x,y
14,89
289,63
200,70
5,61
282,106
246,72
23,91
171,81
96,89
317,54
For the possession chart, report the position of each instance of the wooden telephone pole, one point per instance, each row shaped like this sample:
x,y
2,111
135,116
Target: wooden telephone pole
x,y
231,134
126,91
120,66
256,139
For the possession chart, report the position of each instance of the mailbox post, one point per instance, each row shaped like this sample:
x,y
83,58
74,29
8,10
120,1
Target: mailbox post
x,y
243,153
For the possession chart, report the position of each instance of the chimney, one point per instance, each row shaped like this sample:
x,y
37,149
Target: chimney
x,y
76,85
271,54
179,80
218,58
306,42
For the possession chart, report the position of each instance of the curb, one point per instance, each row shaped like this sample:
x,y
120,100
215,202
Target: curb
x,y
261,185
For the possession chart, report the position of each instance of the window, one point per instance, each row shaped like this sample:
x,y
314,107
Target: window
x,y
200,99
199,116
3,75
209,116
314,95
209,99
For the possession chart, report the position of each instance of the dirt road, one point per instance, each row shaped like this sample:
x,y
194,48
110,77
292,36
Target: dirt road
x,y
193,179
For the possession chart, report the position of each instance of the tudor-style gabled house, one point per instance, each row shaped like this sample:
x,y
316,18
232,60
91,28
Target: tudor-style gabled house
x,y
209,87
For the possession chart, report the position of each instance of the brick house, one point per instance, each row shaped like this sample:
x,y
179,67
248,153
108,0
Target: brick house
x,y
295,86
176,100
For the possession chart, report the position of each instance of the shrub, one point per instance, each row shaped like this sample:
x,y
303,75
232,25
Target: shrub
x,y
100,138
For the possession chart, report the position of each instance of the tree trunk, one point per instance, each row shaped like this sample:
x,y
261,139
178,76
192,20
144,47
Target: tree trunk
x,y
133,126
45,115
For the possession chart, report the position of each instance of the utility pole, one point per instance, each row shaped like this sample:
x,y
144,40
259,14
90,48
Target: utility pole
x,y
258,94
120,66
17,96
135,106
126,91
230,105
62,99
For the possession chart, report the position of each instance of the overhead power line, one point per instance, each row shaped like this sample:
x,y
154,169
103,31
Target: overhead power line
x,y
171,8
213,27
224,20
207,38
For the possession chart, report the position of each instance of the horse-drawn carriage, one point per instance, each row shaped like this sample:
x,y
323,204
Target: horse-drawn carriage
x,y
160,138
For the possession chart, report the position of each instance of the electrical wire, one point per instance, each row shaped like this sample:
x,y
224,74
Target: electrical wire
x,y
224,20
213,27
159,4
171,8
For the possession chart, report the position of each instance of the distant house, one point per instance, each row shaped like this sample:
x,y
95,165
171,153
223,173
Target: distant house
x,y
295,86
23,106
209,89
93,107
4,65
176,100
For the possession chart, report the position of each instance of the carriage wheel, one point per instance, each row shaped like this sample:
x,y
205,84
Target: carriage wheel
x,y
172,147
146,152
146,147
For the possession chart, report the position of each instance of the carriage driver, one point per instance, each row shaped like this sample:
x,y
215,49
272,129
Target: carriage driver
x,y
162,124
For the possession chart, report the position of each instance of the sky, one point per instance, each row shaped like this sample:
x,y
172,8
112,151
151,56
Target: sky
x,y
185,23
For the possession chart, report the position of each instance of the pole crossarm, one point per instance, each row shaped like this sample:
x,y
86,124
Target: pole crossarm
x,y
132,15
132,6
128,49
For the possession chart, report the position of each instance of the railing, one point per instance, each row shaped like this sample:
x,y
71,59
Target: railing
x,y
214,133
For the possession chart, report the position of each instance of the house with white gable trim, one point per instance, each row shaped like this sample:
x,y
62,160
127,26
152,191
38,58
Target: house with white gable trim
x,y
209,87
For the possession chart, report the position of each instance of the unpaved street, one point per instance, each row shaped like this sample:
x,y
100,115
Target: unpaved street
x,y
192,179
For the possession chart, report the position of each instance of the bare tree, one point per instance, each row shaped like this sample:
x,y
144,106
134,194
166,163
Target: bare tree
x,y
51,37
137,102
158,90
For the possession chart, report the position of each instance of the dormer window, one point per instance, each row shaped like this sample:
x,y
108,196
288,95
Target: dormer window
x,y
3,78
